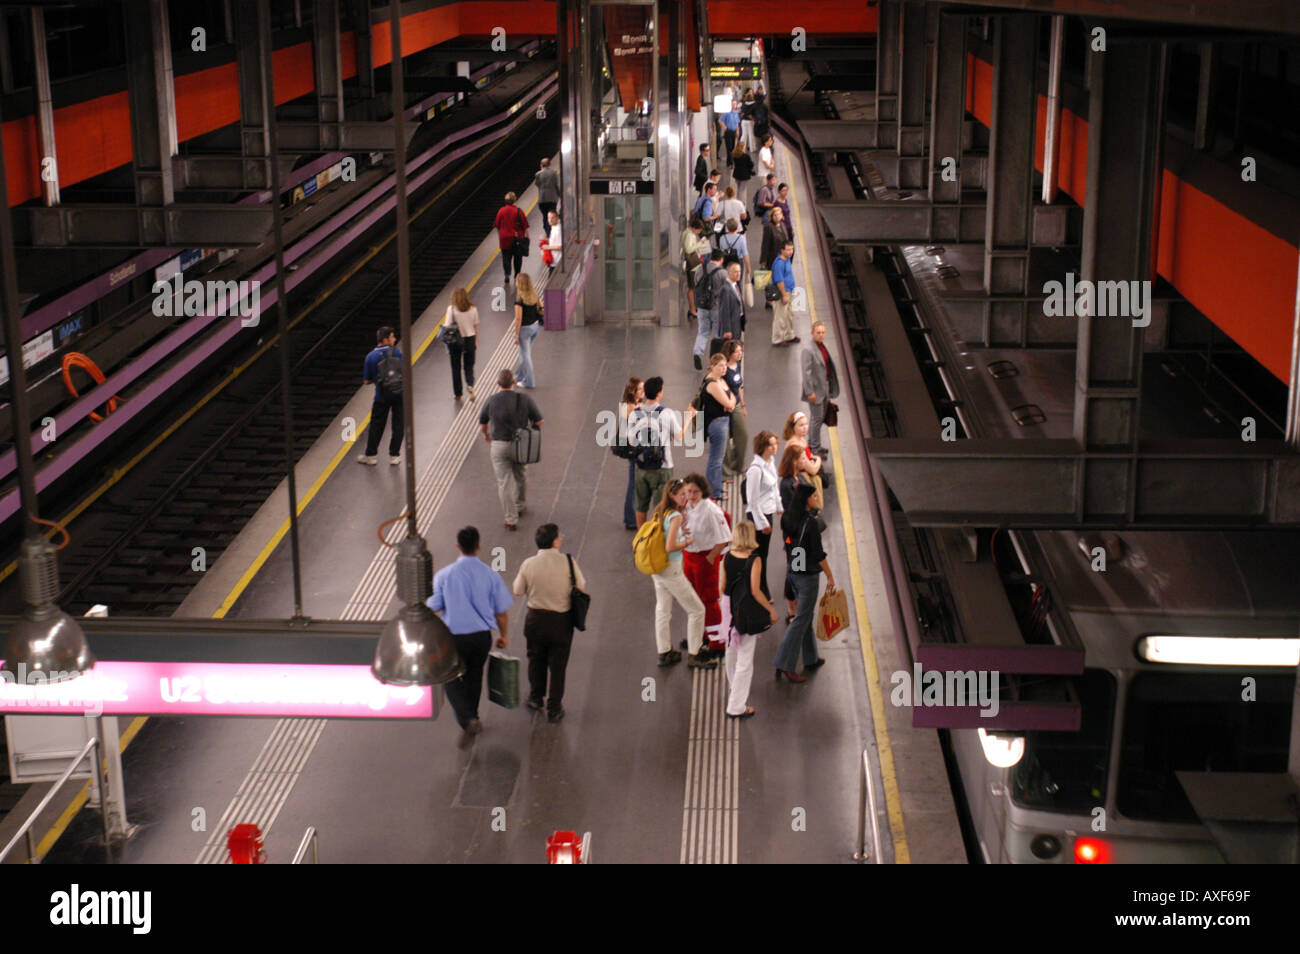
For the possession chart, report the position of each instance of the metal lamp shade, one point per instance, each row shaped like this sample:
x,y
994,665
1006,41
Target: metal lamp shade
x,y
50,641
416,649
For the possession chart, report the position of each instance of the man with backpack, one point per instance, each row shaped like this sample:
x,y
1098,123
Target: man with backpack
x,y
706,207
383,369
652,429
505,413
712,277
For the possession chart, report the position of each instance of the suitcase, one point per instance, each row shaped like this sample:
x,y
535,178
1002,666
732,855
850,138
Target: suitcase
x,y
528,445
503,680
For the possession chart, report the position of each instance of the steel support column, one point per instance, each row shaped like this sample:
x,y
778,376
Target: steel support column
x,y
671,174
1204,135
948,107
1052,137
1010,180
327,38
151,117
1125,124
359,12
254,136
573,103
911,95
44,111
888,40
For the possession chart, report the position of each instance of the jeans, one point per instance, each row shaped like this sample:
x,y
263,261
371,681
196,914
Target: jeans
x,y
550,637
671,584
512,479
462,353
719,429
378,418
704,332
629,502
800,635
464,693
524,368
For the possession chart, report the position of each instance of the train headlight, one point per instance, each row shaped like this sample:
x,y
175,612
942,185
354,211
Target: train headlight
x,y
1002,750
1045,847
1090,851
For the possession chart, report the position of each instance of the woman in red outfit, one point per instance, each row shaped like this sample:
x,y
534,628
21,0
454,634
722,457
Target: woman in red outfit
x,y
710,536
511,224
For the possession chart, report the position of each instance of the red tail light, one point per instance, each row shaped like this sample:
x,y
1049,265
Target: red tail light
x,y
1091,851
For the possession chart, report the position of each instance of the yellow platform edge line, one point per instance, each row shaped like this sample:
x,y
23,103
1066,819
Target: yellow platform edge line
x,y
893,799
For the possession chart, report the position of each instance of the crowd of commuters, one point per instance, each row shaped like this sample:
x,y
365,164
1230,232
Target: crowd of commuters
x,y
712,559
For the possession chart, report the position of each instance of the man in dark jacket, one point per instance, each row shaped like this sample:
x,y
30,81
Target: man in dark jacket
x,y
702,167
728,310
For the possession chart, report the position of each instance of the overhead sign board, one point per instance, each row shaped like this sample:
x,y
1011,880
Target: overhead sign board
x,y
736,71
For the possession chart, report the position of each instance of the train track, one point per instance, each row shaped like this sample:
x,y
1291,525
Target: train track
x,y
133,549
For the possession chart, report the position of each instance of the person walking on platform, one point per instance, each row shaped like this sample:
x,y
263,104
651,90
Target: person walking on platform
x,y
710,533
653,429
712,277
716,403
783,279
775,234
473,600
633,395
707,208
547,579
762,497
671,584
730,127
378,371
733,208
821,383
747,120
742,170
741,579
547,181
729,311
503,414
461,346
734,460
805,562
767,156
512,231
695,252
528,324
702,167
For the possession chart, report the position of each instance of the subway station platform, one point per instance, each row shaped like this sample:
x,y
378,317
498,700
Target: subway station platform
x,y
655,776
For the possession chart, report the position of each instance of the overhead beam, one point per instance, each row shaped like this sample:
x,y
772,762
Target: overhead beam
x,y
1265,16
903,222
340,137
1053,484
126,226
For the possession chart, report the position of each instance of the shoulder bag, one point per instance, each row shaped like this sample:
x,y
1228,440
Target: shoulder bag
x,y
451,331
521,241
527,447
579,602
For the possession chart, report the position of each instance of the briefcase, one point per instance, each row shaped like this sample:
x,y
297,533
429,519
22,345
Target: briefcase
x,y
503,680
528,445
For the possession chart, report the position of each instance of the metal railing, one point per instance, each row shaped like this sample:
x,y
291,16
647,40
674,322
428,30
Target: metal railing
x,y
26,828
867,799
309,842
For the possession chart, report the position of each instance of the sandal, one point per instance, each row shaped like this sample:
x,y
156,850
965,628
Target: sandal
x,y
749,711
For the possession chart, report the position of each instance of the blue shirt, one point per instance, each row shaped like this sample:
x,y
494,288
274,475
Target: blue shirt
x,y
469,594
731,120
783,271
372,361
704,207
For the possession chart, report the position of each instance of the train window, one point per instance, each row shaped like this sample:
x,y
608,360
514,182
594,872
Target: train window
x,y
1066,771
1198,722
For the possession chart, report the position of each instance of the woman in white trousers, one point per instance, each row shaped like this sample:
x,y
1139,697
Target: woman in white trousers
x,y
671,584
740,579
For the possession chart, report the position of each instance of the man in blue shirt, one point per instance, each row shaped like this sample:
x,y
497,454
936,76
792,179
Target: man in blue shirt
x,y
730,123
384,404
783,280
473,600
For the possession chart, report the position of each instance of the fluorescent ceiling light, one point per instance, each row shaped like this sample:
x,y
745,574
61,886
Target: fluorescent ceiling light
x,y
1219,651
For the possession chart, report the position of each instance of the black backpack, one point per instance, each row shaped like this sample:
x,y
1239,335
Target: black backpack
x,y
704,288
729,255
388,376
649,453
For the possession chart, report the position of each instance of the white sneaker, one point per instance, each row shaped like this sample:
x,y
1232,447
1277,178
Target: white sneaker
x,y
394,461
363,459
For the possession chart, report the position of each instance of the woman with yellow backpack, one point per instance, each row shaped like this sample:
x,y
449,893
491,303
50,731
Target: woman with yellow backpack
x,y
658,552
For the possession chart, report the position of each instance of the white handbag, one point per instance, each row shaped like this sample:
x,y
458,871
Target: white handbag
x,y
747,290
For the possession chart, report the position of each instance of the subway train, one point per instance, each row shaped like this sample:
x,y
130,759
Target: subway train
x,y
1189,637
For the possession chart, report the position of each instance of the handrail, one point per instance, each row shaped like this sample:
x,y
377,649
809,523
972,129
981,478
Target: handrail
x,y
25,828
309,839
867,798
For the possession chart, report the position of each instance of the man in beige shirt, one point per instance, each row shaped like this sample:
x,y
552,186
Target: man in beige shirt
x,y
548,627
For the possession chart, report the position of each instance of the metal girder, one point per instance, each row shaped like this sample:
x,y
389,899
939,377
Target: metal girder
x,y
227,172
253,134
152,108
1053,484
1125,128
910,141
1266,16
359,15
327,57
829,134
903,222
44,108
129,226
887,40
948,107
340,137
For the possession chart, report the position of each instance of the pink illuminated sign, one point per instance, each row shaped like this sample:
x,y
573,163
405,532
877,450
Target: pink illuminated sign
x,y
214,689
